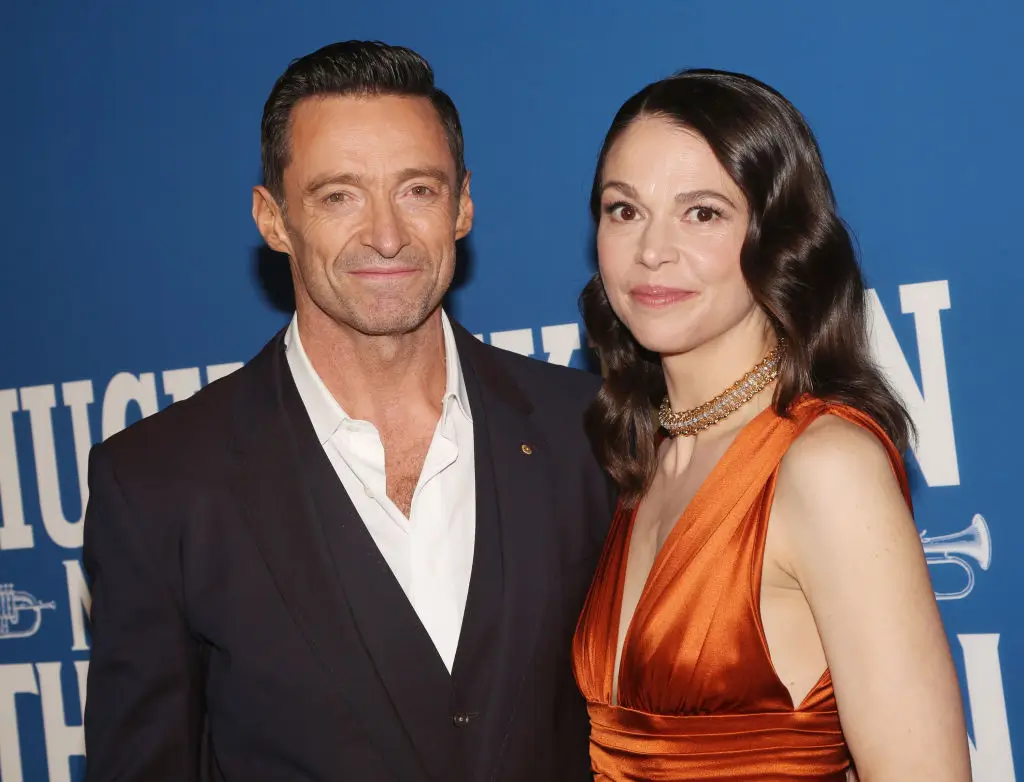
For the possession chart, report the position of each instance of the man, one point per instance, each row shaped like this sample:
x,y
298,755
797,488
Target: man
x,y
362,556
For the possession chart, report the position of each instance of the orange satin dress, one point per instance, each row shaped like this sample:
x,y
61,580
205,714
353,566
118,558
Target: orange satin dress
x,y
698,696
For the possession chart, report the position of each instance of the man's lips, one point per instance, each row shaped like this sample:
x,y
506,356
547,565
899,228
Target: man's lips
x,y
391,273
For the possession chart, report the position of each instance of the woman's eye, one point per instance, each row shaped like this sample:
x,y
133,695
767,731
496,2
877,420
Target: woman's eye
x,y
620,211
704,214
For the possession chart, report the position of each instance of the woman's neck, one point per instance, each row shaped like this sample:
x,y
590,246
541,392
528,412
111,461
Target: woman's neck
x,y
699,375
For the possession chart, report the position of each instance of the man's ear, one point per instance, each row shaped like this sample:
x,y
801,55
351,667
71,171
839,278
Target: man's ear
x,y
464,220
269,218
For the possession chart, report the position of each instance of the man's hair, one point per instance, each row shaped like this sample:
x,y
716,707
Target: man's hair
x,y
357,68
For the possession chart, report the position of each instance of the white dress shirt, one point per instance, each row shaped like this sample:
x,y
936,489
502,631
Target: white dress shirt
x,y
431,552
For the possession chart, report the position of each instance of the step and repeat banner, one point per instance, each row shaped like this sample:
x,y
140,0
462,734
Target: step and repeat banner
x,y
132,273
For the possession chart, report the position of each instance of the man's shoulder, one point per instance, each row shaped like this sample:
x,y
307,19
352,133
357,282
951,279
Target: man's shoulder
x,y
542,380
559,397
187,435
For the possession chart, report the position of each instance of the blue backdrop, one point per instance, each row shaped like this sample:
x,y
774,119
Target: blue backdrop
x,y
131,276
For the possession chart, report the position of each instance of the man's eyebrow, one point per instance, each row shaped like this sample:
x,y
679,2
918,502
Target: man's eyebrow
x,y
332,179
429,172
342,178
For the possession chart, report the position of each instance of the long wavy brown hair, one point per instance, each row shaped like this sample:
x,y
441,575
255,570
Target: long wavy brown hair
x,y
797,259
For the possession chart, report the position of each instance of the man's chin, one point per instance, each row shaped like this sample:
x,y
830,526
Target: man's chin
x,y
393,323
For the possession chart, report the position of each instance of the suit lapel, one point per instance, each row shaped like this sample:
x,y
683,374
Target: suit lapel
x,y
520,461
404,656
339,589
472,674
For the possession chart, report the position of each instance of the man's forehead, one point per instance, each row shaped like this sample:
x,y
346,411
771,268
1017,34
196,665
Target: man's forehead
x,y
413,115
400,131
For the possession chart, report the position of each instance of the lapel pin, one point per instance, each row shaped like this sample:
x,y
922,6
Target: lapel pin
x,y
527,449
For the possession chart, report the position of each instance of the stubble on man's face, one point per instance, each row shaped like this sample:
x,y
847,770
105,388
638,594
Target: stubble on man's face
x,y
373,211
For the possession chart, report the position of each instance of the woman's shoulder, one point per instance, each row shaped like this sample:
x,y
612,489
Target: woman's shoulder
x,y
822,426
832,442
839,455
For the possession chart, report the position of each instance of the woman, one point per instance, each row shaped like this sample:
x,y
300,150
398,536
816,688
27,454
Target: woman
x,y
762,609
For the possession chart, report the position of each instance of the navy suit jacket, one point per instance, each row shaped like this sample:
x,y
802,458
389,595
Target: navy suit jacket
x,y
246,627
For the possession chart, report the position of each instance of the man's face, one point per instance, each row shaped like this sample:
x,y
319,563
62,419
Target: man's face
x,y
372,211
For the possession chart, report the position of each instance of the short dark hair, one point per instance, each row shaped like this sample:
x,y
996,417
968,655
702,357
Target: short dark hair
x,y
798,261
361,68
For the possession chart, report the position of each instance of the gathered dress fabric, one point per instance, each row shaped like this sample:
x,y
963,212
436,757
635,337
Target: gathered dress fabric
x,y
698,697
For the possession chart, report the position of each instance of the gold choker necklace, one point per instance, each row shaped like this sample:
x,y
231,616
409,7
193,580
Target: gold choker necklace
x,y
697,419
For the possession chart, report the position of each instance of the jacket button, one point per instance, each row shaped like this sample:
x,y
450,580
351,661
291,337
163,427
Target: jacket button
x,y
460,720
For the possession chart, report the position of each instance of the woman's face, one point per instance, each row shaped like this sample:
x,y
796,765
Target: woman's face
x,y
671,228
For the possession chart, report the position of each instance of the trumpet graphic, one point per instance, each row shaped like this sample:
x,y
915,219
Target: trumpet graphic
x,y
974,542
12,604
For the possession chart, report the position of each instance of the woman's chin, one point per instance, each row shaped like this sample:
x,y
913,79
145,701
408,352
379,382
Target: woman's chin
x,y
661,342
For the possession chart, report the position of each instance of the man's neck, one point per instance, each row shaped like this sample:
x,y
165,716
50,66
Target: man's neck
x,y
381,379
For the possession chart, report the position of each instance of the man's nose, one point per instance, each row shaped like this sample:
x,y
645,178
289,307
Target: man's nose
x,y
385,230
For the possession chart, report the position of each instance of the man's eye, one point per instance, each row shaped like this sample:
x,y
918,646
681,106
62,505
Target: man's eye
x,y
421,191
335,198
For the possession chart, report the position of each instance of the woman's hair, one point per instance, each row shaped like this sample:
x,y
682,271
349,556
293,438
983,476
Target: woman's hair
x,y
797,260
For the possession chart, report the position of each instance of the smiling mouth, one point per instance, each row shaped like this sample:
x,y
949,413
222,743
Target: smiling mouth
x,y
384,275
659,295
